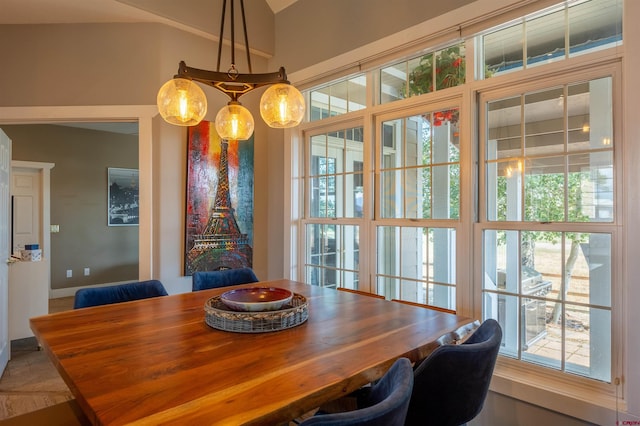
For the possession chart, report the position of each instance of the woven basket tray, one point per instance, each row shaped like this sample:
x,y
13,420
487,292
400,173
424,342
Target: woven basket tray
x,y
219,316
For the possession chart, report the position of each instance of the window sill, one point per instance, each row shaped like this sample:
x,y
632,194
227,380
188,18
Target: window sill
x,y
573,397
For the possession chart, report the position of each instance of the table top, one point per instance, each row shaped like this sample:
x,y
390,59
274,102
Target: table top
x,y
155,361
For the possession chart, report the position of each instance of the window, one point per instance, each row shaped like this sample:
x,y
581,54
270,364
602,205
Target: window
x,y
338,98
335,180
549,159
514,217
567,30
419,180
427,73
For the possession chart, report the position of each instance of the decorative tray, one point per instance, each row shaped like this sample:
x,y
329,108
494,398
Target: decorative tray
x,y
220,316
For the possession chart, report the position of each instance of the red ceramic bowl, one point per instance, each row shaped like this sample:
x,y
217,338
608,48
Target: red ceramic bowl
x,y
255,299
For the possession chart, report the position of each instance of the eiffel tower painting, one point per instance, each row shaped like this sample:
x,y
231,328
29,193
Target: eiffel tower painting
x,y
219,220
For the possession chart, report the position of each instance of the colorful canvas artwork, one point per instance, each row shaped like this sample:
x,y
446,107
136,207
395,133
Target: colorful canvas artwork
x,y
219,211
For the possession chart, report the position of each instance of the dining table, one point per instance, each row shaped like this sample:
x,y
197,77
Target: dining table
x,y
157,361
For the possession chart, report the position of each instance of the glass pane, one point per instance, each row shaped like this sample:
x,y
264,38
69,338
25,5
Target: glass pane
x,y
414,291
504,309
335,196
445,135
544,123
441,258
586,30
541,263
318,155
504,190
391,194
388,250
319,107
591,187
393,81
442,295
357,93
501,261
545,38
413,253
414,192
392,144
503,50
318,197
413,140
421,75
351,247
450,67
426,192
354,150
338,98
388,287
354,202
314,275
545,190
588,342
541,344
578,109
601,114
454,199
350,280
504,135
441,192
588,263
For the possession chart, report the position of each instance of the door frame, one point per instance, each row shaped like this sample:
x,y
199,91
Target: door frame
x,y
144,115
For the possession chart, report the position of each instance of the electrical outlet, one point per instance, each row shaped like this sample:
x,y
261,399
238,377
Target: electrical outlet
x,y
86,272
69,273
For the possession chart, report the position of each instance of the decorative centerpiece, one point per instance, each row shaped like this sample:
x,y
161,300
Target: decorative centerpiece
x,y
256,299
256,310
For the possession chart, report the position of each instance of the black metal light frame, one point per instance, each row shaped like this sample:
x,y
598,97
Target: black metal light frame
x,y
232,83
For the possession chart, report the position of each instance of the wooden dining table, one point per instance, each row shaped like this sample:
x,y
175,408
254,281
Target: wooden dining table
x,y
155,361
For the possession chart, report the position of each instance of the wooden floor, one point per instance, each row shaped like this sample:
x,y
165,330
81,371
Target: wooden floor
x,y
30,381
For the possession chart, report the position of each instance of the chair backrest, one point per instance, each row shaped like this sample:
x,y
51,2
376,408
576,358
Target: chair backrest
x,y
202,280
118,293
451,384
385,405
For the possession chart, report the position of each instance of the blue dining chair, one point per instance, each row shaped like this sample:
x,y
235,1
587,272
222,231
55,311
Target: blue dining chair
x,y
118,293
203,280
451,384
384,405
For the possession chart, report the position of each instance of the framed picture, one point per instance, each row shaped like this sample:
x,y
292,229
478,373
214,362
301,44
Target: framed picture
x,y
122,200
219,210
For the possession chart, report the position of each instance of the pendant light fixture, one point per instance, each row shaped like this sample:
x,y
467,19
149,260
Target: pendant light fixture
x,y
182,102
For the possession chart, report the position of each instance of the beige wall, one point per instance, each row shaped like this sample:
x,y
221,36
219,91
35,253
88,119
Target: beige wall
x,y
311,31
79,201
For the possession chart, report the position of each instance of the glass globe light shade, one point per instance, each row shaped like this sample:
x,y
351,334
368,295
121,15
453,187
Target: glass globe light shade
x,y
234,122
182,102
282,106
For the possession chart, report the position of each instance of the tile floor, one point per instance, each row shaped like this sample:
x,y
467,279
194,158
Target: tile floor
x,y
30,381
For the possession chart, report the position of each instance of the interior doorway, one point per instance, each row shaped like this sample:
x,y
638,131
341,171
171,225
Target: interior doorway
x,y
143,115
